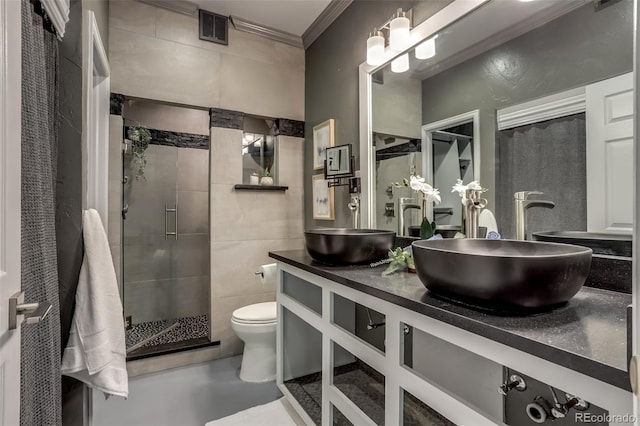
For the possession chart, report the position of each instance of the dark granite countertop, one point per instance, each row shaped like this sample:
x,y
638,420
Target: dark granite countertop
x,y
588,335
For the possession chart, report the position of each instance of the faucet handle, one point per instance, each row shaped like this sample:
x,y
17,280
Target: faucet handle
x,y
523,195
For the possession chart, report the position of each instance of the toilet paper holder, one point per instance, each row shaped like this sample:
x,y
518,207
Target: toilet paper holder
x,y
260,273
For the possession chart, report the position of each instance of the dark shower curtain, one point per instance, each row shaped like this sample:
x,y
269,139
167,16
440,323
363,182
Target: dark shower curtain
x,y
40,395
548,156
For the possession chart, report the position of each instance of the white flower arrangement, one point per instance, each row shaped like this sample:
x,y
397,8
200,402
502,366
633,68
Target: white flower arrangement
x,y
461,189
429,194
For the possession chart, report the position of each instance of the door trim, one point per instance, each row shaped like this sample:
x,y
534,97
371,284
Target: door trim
x,y
10,202
97,87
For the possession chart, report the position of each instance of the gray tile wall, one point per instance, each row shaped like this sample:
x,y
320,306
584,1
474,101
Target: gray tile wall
x,y
156,54
254,75
245,226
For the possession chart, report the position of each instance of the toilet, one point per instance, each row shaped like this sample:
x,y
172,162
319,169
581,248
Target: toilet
x,y
255,325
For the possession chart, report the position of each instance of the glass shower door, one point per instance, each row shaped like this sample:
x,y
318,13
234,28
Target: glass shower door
x,y
166,249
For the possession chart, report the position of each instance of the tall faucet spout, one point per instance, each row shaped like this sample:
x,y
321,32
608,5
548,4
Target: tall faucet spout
x,y
538,203
522,204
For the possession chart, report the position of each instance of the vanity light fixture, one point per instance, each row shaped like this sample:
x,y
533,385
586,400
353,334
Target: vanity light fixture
x,y
247,138
399,32
401,63
375,48
427,49
398,29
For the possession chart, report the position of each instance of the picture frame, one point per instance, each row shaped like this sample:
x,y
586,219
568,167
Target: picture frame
x,y
339,162
323,138
322,198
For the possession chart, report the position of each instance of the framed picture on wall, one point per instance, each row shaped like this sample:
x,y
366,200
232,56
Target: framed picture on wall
x,y
322,198
323,138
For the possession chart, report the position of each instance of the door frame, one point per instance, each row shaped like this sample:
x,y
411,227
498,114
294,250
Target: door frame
x,y
427,145
635,314
10,202
96,81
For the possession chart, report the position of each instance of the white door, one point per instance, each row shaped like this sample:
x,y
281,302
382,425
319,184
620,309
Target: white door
x,y
10,83
610,179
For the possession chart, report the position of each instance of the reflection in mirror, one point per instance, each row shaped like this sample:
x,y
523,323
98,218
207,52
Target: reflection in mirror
x,y
258,151
501,56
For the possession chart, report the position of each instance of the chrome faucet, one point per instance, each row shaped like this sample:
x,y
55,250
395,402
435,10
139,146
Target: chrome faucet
x,y
354,206
522,205
404,203
473,207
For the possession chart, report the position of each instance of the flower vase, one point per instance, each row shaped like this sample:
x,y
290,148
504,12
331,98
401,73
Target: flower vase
x,y
431,230
266,181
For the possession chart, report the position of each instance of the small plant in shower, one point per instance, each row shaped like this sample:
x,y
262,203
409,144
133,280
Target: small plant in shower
x,y
140,136
266,177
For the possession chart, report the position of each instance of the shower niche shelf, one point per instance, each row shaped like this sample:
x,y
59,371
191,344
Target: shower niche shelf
x,y
242,187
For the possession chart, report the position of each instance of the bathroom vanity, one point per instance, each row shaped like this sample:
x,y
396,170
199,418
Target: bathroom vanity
x,y
442,363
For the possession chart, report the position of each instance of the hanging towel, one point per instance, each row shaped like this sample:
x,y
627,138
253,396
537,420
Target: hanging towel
x,y
96,352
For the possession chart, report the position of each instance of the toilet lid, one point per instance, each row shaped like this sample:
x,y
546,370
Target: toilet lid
x,y
258,313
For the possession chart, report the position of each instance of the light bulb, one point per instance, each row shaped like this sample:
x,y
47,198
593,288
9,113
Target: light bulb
x,y
427,49
399,32
375,49
400,64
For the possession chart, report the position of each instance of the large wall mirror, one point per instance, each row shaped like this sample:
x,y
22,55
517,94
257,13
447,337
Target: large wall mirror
x,y
522,96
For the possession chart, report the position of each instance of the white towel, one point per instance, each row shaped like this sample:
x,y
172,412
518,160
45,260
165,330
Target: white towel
x,y
96,352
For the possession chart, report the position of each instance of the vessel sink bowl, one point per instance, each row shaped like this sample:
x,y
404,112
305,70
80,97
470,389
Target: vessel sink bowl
x,y
341,246
502,274
599,242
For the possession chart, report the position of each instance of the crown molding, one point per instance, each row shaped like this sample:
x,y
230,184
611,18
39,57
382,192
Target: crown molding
x,y
184,7
322,22
58,13
561,104
270,33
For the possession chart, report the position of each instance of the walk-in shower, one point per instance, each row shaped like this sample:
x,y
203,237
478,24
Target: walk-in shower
x,y
165,250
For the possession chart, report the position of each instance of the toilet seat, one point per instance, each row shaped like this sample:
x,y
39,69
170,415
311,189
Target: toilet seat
x,y
259,313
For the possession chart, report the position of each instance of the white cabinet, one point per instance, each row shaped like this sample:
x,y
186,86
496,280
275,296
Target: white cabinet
x,y
331,375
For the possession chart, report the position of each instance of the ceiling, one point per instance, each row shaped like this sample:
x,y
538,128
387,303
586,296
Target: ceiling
x,y
291,16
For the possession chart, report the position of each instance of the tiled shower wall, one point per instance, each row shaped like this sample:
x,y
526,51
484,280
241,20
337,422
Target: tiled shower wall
x,y
156,54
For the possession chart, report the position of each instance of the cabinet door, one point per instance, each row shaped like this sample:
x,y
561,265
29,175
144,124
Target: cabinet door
x,y
610,155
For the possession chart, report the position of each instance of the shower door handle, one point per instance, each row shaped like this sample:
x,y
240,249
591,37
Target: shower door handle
x,y
168,210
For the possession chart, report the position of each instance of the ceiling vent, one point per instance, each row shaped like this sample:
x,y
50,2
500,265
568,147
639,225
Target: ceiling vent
x,y
214,27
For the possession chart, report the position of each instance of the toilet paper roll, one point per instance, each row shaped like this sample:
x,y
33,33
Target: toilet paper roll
x,y
268,273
